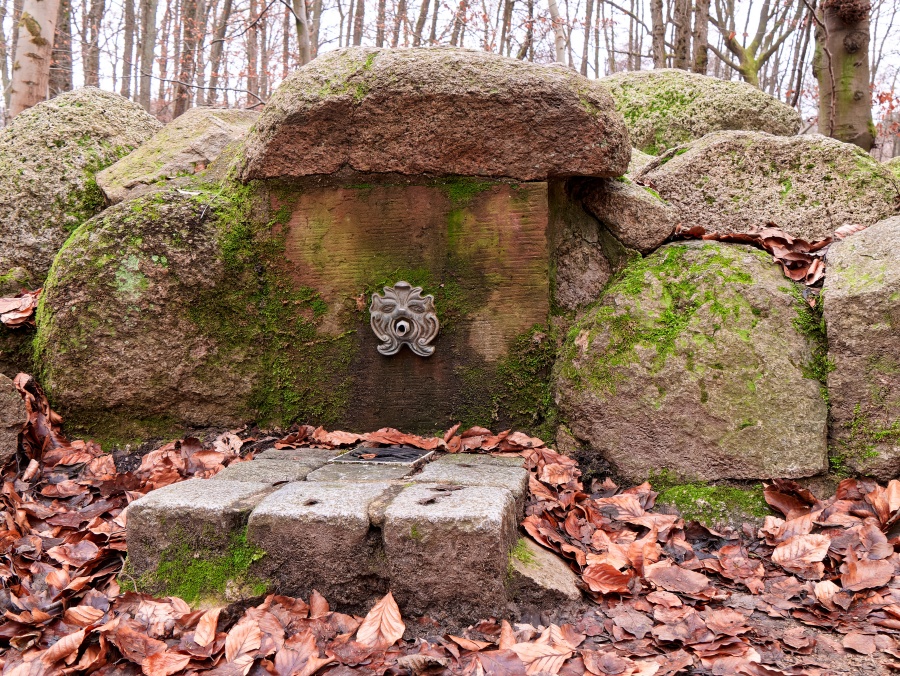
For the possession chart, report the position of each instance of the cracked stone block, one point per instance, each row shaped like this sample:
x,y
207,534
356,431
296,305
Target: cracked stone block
x,y
448,550
319,536
315,457
482,459
195,511
265,471
478,470
363,472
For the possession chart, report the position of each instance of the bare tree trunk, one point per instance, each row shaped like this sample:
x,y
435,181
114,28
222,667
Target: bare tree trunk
x,y
190,30
399,18
61,63
4,48
432,36
164,51
681,47
31,73
146,48
842,68
420,23
588,16
316,24
797,86
659,33
458,20
216,51
302,24
506,27
264,56
90,49
359,22
253,55
701,37
559,41
285,42
128,49
380,21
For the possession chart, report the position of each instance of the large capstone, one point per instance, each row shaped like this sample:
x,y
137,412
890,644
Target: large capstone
x,y
185,146
439,112
664,108
862,313
49,155
807,185
692,362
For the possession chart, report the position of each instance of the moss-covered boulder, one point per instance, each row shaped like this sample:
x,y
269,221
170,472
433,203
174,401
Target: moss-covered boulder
x,y
810,185
49,156
862,312
666,107
638,161
184,147
694,362
13,417
439,112
894,166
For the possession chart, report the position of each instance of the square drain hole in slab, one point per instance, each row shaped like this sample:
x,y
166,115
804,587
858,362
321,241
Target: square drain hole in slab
x,y
408,456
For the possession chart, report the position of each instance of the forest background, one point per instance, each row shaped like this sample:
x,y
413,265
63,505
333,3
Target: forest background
x,y
170,55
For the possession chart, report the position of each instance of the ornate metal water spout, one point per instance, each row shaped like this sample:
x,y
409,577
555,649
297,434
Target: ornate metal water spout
x,y
403,316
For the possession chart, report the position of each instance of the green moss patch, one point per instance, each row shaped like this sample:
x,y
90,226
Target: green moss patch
x,y
863,434
709,504
196,575
810,321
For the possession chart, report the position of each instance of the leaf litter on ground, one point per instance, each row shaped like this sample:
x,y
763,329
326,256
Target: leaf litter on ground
x,y
667,596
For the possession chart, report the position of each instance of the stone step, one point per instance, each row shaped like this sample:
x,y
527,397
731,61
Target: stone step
x,y
440,539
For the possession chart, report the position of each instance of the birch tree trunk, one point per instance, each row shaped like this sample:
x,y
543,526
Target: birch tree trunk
x,y
146,48
842,69
31,70
302,24
559,42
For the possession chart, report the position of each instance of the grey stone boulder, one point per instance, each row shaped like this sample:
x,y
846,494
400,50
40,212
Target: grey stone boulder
x,y
638,161
13,417
691,362
205,517
666,107
540,579
808,185
49,157
448,549
185,146
437,111
635,215
319,536
862,313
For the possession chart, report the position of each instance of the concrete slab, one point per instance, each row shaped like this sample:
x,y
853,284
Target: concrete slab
x,y
309,456
474,470
198,512
448,549
360,472
265,471
318,535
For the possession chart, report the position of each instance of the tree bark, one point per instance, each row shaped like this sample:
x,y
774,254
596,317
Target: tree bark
x,y
588,17
841,66
61,63
559,42
380,19
216,51
359,22
316,24
90,48
127,48
253,55
146,48
700,57
399,19
302,24
658,33
681,47
190,37
31,70
459,20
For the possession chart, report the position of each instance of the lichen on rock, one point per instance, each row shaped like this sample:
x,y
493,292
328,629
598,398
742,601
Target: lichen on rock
x,y
691,361
184,147
49,156
667,107
810,185
862,310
